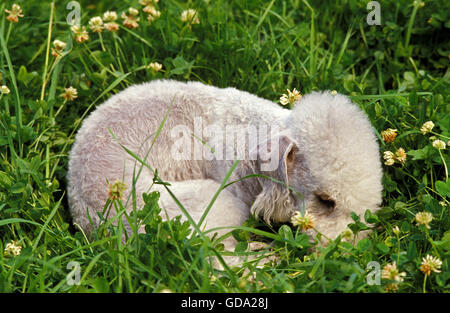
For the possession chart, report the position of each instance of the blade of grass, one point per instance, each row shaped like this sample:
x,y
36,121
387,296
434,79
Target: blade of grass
x,y
18,110
344,45
47,52
49,218
416,5
18,220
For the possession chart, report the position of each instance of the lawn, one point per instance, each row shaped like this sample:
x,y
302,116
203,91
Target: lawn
x,y
53,75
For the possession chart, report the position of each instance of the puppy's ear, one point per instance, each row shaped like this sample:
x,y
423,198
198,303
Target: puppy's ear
x,y
274,202
277,157
287,150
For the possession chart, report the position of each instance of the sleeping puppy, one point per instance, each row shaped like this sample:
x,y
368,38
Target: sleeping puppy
x,y
322,157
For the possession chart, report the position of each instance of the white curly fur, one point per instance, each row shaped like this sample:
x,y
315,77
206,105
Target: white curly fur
x,y
328,151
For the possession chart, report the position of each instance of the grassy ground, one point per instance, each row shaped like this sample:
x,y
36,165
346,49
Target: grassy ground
x,y
397,72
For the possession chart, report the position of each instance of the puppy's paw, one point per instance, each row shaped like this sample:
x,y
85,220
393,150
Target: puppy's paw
x,y
265,253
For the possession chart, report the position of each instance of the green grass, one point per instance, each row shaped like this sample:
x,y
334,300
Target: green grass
x,y
397,72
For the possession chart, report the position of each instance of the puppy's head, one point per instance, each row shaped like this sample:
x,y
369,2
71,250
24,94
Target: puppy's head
x,y
330,157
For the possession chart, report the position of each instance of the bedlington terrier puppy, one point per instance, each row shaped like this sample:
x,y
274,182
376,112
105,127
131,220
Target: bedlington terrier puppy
x,y
322,156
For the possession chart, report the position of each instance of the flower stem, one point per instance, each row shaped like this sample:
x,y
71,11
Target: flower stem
x,y
432,242
440,135
8,33
424,284
101,41
445,164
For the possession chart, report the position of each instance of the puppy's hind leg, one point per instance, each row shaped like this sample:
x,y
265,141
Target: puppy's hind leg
x,y
226,212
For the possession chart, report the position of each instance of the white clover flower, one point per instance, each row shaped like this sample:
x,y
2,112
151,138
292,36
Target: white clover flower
x,y
148,2
347,234
430,263
421,3
110,16
112,27
400,155
58,47
5,90
190,16
391,272
116,190
70,94
396,230
389,135
290,97
393,287
439,144
284,99
389,162
304,222
133,12
14,14
427,127
153,14
424,218
81,35
96,24
389,158
12,248
131,20
294,95
155,66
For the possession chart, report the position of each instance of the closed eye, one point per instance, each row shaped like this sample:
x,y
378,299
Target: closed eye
x,y
326,201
